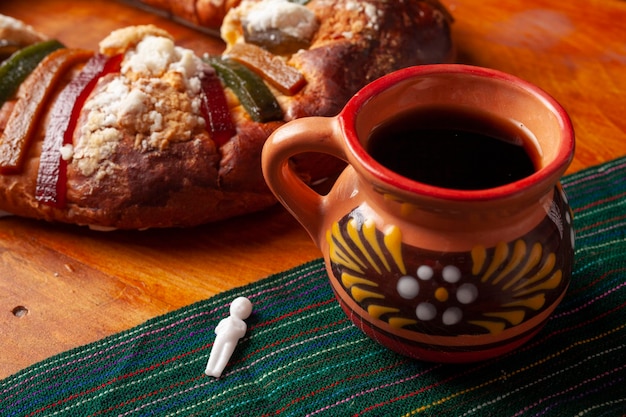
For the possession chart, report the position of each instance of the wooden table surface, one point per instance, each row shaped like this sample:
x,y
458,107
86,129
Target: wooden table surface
x,y
77,286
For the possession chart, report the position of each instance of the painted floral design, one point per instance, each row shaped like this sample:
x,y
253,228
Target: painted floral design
x,y
485,290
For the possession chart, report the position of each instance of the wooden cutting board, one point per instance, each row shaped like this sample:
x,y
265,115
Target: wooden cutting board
x,y
76,286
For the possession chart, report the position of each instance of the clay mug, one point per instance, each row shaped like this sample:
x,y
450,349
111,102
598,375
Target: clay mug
x,y
438,272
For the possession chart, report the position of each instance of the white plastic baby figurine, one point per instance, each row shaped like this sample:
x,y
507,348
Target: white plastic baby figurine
x,y
228,332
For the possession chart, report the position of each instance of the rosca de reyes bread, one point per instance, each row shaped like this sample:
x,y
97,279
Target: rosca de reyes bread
x,y
142,133
203,13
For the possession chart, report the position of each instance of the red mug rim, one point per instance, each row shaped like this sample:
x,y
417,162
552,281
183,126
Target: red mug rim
x,y
556,167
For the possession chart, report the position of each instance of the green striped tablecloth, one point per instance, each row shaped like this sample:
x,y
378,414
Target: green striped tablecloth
x,y
302,357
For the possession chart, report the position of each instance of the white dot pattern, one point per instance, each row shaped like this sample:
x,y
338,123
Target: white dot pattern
x,y
452,315
451,274
408,287
425,272
426,311
467,293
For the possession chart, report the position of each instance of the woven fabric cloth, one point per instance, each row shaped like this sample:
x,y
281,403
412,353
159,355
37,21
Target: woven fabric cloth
x,y
303,357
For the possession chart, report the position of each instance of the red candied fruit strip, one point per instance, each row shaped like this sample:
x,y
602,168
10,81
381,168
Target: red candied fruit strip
x,y
215,109
52,176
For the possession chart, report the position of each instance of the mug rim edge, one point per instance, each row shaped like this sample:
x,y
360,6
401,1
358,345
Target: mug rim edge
x,y
554,170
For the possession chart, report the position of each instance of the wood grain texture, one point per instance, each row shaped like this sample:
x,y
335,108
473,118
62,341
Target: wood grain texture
x,y
79,286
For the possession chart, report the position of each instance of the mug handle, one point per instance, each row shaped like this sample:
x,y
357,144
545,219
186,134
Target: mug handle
x,y
309,134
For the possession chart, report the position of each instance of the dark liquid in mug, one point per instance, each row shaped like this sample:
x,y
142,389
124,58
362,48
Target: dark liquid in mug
x,y
452,148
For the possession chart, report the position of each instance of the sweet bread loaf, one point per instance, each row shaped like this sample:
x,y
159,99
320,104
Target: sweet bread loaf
x,y
143,133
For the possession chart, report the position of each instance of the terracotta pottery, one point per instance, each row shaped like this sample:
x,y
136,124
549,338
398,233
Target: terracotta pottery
x,y
438,274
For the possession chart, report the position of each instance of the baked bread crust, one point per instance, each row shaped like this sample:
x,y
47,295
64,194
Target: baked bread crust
x,y
204,13
185,181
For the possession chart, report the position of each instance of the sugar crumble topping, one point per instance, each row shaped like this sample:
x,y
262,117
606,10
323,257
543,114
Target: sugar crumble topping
x,y
293,19
14,30
258,16
370,11
156,99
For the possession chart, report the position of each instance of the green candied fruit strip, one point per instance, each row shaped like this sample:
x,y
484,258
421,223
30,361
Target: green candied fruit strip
x,y
249,88
18,66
